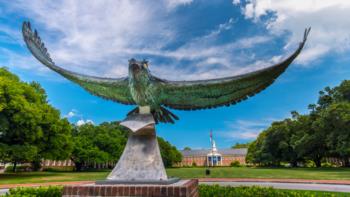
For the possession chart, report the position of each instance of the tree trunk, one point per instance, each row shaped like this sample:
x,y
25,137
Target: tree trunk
x,y
14,166
346,162
36,165
294,164
317,162
78,166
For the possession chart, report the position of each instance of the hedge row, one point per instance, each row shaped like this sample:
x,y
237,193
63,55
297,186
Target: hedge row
x,y
244,191
204,191
52,191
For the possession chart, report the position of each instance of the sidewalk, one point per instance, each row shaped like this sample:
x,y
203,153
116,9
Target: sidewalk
x,y
337,182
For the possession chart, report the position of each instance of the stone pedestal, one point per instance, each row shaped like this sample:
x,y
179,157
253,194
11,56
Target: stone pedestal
x,y
140,162
182,188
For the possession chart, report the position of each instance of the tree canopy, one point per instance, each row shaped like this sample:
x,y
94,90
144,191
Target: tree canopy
x,y
99,144
323,132
187,148
30,128
241,145
105,143
169,153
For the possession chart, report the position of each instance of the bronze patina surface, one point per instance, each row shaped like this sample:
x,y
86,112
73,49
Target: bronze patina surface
x,y
141,88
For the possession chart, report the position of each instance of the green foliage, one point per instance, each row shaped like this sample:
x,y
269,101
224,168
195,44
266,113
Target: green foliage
x,y
235,164
105,143
169,153
187,148
239,145
336,118
325,131
244,191
97,144
52,191
21,168
30,128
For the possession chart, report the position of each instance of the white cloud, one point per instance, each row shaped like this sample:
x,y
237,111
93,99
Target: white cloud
x,y
98,38
171,4
71,114
248,135
236,2
328,19
74,115
82,122
222,27
245,129
93,36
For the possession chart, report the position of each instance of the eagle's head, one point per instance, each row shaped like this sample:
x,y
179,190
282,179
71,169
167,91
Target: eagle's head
x,y
138,68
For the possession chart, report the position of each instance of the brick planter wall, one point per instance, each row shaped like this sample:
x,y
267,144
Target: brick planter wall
x,y
183,188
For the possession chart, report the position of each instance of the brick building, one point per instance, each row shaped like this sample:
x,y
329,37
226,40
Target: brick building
x,y
213,156
203,157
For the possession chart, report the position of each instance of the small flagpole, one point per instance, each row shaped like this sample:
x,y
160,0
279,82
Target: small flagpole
x,y
211,141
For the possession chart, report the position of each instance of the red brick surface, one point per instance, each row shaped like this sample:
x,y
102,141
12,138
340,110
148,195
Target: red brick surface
x,y
188,189
202,160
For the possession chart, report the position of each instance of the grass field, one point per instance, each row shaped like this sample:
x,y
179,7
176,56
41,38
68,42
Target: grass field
x,y
224,172
282,173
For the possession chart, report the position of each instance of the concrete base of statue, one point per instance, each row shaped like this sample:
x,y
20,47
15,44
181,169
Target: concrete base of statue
x,y
139,172
182,188
141,162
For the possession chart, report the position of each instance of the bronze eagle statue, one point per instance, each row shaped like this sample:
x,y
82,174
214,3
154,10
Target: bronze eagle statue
x,y
152,94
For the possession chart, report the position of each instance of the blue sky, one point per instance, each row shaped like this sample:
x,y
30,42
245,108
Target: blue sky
x,y
183,40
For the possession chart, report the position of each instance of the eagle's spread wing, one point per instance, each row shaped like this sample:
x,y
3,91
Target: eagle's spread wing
x,y
202,94
108,88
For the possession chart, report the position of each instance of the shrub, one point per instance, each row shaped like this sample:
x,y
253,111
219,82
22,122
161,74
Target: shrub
x,y
52,191
235,164
59,169
194,164
328,165
244,191
24,168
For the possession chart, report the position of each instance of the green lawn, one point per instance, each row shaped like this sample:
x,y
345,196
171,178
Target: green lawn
x,y
245,172
229,172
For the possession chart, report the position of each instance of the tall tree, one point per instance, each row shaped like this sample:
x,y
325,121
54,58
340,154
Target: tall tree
x,y
97,144
322,132
336,122
309,142
30,128
169,153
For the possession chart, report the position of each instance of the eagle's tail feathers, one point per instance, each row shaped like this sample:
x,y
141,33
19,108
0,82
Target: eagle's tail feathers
x,y
163,115
160,115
